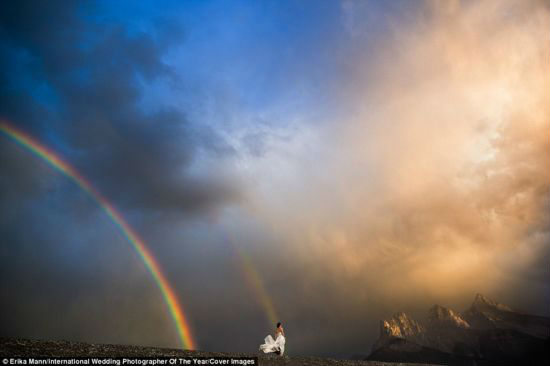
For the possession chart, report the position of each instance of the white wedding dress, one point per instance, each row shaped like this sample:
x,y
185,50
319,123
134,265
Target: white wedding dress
x,y
272,346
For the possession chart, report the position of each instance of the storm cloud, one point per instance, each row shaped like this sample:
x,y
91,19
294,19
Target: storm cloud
x,y
86,80
74,79
431,187
385,159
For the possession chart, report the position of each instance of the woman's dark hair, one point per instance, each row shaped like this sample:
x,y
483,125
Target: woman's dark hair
x,y
278,324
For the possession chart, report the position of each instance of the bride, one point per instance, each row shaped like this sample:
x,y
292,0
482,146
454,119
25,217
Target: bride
x,y
276,346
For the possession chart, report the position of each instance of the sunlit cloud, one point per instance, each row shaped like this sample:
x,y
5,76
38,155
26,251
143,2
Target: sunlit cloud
x,y
438,174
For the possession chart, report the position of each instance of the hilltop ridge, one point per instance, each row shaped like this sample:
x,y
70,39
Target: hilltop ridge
x,y
487,331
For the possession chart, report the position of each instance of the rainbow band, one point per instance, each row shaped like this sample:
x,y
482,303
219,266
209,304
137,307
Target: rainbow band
x,y
255,281
176,311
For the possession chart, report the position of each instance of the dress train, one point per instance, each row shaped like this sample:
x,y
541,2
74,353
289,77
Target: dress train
x,y
274,346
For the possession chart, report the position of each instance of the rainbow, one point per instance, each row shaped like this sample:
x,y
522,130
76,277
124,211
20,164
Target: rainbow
x,y
255,281
170,298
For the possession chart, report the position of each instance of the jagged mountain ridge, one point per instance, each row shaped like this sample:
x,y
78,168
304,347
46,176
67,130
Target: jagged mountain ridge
x,y
485,313
440,316
486,330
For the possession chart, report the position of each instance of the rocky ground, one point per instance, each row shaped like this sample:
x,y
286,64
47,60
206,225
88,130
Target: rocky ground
x,y
10,347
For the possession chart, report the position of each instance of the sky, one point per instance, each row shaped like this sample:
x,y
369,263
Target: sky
x,y
323,163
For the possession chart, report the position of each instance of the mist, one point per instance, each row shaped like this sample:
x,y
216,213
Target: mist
x,y
431,187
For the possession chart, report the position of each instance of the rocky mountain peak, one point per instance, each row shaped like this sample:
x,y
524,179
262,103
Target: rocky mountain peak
x,y
400,325
488,330
439,312
483,303
439,315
